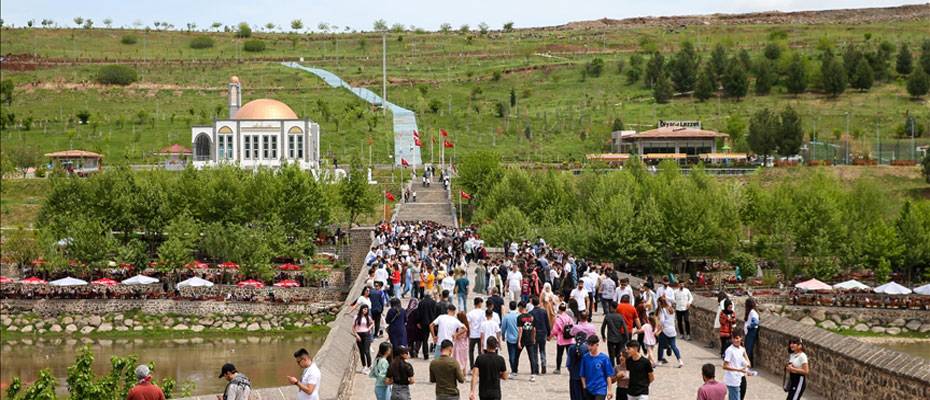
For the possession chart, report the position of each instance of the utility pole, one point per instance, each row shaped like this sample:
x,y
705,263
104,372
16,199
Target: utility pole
x,y
384,72
847,137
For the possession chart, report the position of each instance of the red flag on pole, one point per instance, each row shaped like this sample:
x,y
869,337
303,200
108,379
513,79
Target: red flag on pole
x,y
403,161
443,132
416,138
389,196
466,196
447,144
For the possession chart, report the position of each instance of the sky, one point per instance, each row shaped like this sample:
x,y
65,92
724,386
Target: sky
x,y
360,14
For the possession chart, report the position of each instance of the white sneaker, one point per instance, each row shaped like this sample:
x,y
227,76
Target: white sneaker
x,y
366,371
680,364
532,378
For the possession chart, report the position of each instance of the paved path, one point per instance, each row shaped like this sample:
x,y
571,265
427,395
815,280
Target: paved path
x,y
405,121
670,383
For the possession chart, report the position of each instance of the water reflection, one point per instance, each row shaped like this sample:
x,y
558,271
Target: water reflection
x,y
265,359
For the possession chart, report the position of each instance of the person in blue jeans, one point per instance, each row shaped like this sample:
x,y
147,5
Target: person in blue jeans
x,y
574,354
752,328
461,290
597,371
509,329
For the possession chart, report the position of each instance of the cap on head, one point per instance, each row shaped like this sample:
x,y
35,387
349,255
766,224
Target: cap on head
x,y
227,368
142,371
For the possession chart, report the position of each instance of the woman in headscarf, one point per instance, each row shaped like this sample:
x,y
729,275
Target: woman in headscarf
x,y
414,333
397,324
549,302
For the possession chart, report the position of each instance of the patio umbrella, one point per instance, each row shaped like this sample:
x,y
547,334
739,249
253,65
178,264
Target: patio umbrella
x,y
68,281
924,290
813,284
851,284
194,282
140,280
197,265
289,267
4,279
229,265
251,283
105,282
892,288
33,281
287,283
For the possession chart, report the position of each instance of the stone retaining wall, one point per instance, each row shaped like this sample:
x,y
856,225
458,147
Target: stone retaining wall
x,y
201,308
876,320
841,367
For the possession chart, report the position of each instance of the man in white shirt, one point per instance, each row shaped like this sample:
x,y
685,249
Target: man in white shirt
x,y
489,328
735,366
624,288
381,275
444,327
580,294
514,279
475,318
683,299
308,386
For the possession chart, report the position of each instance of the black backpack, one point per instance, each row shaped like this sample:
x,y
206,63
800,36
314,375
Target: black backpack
x,y
567,331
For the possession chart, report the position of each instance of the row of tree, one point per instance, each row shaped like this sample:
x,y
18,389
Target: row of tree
x,y
735,73
810,224
221,214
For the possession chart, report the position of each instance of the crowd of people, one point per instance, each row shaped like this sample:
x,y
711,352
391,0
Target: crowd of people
x,y
532,297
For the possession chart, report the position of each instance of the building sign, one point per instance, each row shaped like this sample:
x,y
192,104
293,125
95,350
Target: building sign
x,y
680,124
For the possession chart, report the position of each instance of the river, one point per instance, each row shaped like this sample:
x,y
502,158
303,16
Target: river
x,y
265,359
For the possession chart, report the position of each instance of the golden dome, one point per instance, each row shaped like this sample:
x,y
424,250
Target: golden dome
x,y
265,109
233,79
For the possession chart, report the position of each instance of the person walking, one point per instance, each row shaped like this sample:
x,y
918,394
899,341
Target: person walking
x,y
629,313
361,328
648,333
542,325
461,289
490,328
683,300
526,339
460,352
514,283
379,372
607,289
574,355
614,331
481,274
308,386
798,369
396,319
562,332
580,295
597,372
667,335
427,313
446,373
238,386
488,372
144,388
735,366
511,334
378,299
475,317
751,328
640,373
400,373
415,338
446,327
496,302
622,379
726,321
711,389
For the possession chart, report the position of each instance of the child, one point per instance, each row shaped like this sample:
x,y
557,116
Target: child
x,y
623,377
649,338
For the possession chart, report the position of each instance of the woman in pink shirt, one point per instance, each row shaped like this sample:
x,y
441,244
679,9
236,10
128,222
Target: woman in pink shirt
x,y
561,331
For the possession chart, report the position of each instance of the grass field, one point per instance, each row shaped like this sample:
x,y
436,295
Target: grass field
x,y
559,115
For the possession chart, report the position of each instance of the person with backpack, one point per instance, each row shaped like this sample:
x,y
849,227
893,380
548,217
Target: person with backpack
x,y
614,331
562,332
378,300
575,354
238,386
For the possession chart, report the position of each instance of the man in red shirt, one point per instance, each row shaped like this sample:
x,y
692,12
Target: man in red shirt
x,y
629,313
145,389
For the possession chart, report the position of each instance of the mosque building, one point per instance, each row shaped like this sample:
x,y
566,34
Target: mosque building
x,y
261,133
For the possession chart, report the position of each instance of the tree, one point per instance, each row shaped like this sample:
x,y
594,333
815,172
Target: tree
x,y
735,81
925,165
736,128
509,225
20,246
479,171
594,68
654,68
6,91
616,125
636,69
357,197
216,26
23,157
863,76
508,26
765,78
269,26
662,91
513,98
88,23
79,21
772,51
790,134
851,58
913,230
705,86
905,61
796,79
183,234
445,27
684,68
762,133
718,61
483,28
925,55
244,30
918,84
108,22
297,25
833,75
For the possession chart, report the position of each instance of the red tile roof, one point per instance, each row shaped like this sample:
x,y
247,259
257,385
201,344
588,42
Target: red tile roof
x,y
676,133
73,154
175,149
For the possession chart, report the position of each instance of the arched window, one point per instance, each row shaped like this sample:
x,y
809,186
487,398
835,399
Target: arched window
x,y
295,143
225,129
202,148
295,129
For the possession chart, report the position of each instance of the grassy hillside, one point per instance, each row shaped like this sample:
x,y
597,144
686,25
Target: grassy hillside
x,y
452,80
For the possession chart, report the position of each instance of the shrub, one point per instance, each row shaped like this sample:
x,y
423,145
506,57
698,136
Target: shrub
x,y
201,42
129,39
116,75
243,30
254,45
434,106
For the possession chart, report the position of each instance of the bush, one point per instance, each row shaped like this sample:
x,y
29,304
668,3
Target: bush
x,y
116,75
746,262
201,42
254,45
129,39
244,30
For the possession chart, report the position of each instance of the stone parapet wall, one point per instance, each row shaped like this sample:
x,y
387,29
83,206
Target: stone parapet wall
x,y
841,367
54,307
876,320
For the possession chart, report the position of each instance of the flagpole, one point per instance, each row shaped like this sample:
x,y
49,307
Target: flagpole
x,y
461,220
431,140
384,205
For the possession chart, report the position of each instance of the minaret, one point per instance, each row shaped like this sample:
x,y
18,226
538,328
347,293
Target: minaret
x,y
235,96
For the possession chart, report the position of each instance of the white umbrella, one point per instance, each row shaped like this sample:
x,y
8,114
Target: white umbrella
x,y
924,290
140,280
813,284
194,282
892,288
69,281
851,284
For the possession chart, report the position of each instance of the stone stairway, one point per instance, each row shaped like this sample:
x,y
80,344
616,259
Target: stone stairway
x,y
432,204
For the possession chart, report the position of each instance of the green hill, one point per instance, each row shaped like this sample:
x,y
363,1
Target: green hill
x,y
524,92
